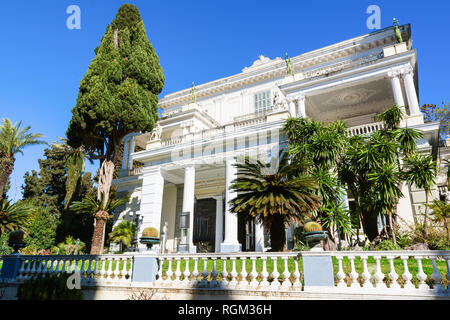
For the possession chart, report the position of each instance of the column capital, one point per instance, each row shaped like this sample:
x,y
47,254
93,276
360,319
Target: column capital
x,y
298,96
394,73
407,70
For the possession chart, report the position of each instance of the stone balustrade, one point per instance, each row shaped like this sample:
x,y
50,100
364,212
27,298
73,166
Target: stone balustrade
x,y
244,270
365,129
93,269
357,273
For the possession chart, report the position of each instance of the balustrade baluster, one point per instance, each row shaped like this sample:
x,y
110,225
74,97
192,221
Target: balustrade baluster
x,y
286,274
379,276
421,275
297,285
205,273
224,274
447,259
213,283
169,272
353,274
407,276
186,273
264,274
392,274
195,273
243,283
366,274
253,274
436,276
340,274
275,274
177,273
233,273
159,279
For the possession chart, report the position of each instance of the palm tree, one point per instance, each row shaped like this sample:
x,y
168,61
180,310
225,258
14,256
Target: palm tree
x,y
441,213
422,172
123,233
273,198
14,216
386,181
12,141
101,212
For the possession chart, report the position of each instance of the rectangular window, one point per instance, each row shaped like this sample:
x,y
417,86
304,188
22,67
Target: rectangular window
x,y
262,101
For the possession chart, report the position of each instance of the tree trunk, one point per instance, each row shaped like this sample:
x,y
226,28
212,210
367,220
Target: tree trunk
x,y
391,226
370,225
7,166
98,237
105,179
277,234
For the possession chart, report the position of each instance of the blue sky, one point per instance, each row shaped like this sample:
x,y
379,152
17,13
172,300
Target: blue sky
x,y
42,61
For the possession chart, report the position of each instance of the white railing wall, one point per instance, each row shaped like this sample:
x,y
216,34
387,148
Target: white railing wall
x,y
285,274
409,273
365,128
93,269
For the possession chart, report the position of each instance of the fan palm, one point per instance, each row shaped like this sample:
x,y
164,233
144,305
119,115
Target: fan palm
x,y
422,171
101,211
123,233
14,216
441,213
273,198
12,141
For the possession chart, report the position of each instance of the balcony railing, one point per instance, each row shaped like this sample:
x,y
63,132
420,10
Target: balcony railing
x,y
365,129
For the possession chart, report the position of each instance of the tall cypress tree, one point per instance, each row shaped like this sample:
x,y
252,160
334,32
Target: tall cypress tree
x,y
117,96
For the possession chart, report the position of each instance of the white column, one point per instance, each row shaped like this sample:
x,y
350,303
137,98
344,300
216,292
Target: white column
x,y
230,243
292,108
219,222
188,203
151,199
259,237
397,89
125,154
130,160
301,106
411,93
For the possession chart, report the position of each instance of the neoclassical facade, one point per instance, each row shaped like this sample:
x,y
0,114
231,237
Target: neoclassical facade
x,y
179,175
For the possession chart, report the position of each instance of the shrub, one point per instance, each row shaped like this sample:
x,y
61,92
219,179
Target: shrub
x,y
312,226
403,240
386,245
42,230
4,247
48,287
69,246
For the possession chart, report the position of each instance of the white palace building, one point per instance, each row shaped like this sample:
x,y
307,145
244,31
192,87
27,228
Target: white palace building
x,y
178,176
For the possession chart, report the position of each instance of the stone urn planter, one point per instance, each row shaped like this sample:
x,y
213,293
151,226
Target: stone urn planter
x,y
313,234
16,240
149,237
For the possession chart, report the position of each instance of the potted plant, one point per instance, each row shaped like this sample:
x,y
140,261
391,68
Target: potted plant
x,y
313,233
149,237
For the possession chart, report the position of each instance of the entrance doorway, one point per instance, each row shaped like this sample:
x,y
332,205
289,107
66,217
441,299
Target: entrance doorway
x,y
205,225
246,234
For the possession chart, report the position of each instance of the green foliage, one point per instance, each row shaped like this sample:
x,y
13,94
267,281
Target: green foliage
x,y
123,233
432,113
344,218
69,246
42,229
4,247
13,139
91,205
421,171
119,92
386,245
48,287
14,216
273,196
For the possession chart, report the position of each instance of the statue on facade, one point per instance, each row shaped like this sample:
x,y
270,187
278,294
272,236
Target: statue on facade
x,y
279,102
193,93
164,236
398,32
288,65
156,132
